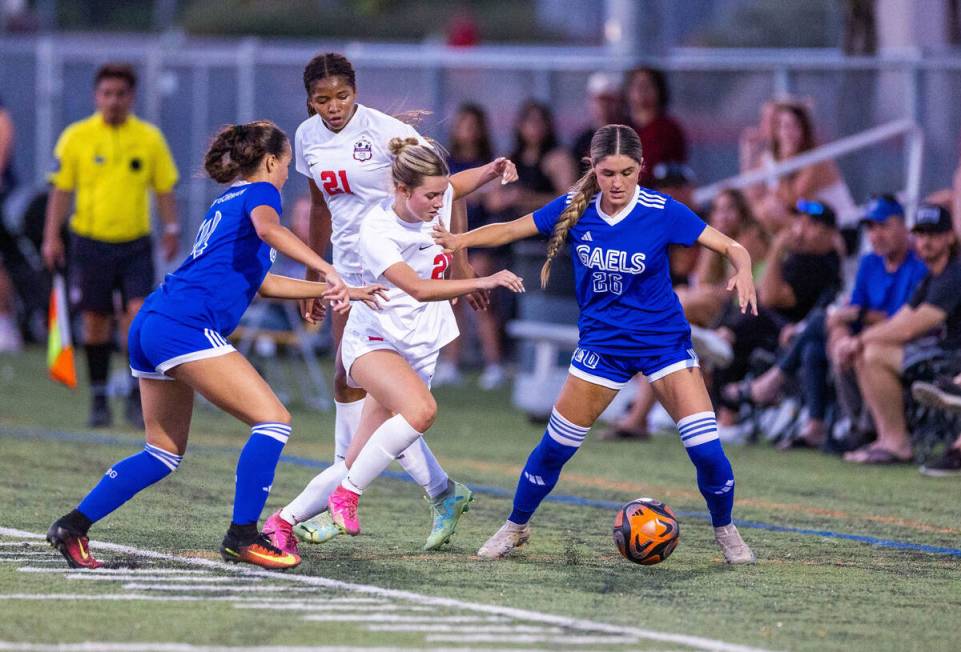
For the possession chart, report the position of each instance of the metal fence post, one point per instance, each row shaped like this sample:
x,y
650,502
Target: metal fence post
x,y
246,79
49,81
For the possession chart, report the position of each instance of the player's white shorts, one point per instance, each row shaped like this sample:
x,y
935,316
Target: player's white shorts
x,y
358,342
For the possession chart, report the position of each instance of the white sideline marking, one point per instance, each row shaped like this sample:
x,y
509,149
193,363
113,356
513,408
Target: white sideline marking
x,y
126,577
137,586
467,629
34,560
396,618
124,597
530,638
328,605
699,642
110,571
99,646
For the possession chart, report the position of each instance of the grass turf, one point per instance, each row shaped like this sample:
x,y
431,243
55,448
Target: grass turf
x,y
806,593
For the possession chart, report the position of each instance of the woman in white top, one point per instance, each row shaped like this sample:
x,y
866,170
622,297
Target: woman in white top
x,y
342,149
391,353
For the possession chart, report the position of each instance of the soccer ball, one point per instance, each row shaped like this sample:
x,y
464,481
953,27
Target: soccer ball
x,y
645,531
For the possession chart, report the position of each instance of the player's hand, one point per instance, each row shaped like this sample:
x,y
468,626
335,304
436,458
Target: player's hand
x,y
449,241
169,244
306,307
504,168
337,292
503,279
53,253
479,300
371,295
743,284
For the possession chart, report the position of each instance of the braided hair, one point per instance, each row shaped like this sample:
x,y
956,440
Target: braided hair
x,y
609,140
329,64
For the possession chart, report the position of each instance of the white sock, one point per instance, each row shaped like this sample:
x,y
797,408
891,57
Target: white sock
x,y
390,440
313,499
346,422
421,465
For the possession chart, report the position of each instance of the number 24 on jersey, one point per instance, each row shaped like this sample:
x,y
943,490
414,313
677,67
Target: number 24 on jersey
x,y
335,183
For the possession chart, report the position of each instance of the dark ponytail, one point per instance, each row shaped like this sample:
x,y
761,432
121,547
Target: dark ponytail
x,y
237,150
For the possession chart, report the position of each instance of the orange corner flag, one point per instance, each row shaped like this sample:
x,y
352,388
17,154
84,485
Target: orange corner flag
x,y
59,344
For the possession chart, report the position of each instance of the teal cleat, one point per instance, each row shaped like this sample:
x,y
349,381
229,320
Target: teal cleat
x,y
446,510
319,529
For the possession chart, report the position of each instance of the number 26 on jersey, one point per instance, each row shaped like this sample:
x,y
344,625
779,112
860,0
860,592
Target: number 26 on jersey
x,y
335,183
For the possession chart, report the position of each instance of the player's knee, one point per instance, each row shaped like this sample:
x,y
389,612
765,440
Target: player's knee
x,y
421,413
276,414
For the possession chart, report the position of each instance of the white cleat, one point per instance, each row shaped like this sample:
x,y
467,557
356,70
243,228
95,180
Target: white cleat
x,y
508,537
733,546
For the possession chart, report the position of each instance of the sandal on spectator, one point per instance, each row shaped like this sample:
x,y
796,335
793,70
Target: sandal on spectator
x,y
874,455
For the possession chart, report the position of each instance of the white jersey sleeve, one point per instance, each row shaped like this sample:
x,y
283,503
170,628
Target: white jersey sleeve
x,y
300,162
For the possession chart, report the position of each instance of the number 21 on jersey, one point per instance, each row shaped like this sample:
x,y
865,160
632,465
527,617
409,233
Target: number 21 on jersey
x,y
335,183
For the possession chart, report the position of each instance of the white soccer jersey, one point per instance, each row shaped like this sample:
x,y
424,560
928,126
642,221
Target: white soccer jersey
x,y
409,325
352,168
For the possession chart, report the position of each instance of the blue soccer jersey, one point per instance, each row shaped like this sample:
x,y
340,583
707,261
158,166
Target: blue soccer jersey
x,y
622,272
227,265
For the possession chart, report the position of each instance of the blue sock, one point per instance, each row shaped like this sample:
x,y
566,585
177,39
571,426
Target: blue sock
x,y
559,443
127,477
715,477
255,470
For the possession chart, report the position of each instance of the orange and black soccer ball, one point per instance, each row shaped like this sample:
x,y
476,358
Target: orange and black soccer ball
x,y
646,531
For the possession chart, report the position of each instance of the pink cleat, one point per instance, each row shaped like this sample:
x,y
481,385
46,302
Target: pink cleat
x,y
281,533
343,510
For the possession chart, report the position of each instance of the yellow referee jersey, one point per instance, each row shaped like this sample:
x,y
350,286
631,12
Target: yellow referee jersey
x,y
111,169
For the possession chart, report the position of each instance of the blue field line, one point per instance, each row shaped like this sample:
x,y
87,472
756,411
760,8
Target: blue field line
x,y
497,492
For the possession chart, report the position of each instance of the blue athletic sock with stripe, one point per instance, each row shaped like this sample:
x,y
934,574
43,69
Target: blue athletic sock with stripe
x,y
715,477
559,443
255,470
126,478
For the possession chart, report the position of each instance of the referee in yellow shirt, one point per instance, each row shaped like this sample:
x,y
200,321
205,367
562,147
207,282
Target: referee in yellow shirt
x,y
110,161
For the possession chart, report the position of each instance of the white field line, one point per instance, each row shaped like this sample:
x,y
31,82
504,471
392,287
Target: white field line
x,y
214,588
129,597
126,577
4,555
102,646
514,639
327,606
35,560
398,618
698,642
116,571
467,629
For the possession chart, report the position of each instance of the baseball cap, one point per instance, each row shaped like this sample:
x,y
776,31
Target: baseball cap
x,y
603,83
881,208
931,218
817,211
671,175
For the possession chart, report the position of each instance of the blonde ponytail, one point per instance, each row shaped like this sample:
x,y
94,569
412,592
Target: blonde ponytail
x,y
581,195
414,160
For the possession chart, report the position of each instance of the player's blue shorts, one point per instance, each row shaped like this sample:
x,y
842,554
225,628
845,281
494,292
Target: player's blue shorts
x,y
157,344
614,371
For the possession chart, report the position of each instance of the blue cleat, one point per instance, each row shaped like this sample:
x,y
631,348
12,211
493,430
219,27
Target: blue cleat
x,y
446,510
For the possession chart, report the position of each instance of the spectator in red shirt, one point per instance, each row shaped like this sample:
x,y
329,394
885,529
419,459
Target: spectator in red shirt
x,y
662,138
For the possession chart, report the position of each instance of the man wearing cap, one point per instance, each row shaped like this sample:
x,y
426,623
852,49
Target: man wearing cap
x,y
927,327
605,105
802,271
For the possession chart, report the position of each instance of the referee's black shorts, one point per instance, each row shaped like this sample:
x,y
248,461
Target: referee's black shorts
x,y
98,269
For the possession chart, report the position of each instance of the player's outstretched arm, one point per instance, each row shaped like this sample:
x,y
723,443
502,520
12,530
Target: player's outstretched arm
x,y
276,286
403,276
467,181
269,229
491,235
742,282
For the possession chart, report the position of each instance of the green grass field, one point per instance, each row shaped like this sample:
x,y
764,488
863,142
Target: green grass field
x,y
807,592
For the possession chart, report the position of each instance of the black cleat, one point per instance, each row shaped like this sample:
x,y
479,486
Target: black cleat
x,y
72,544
